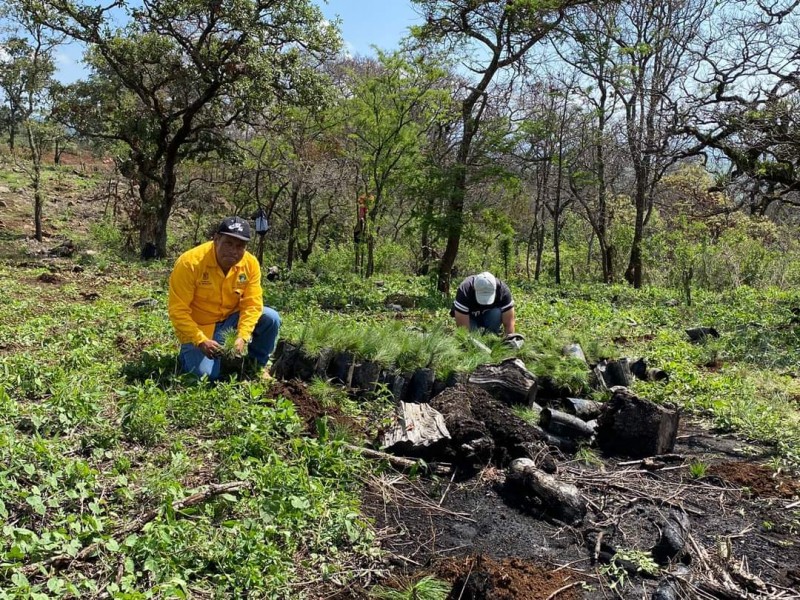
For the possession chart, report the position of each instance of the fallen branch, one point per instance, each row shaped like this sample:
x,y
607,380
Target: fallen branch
x,y
569,586
399,461
63,560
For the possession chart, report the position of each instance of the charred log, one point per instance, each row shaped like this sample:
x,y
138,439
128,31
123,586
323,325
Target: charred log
x,y
585,410
561,500
564,425
479,423
641,371
673,539
617,372
416,427
471,441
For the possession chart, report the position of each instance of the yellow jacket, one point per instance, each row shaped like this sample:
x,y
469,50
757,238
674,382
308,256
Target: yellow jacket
x,y
201,295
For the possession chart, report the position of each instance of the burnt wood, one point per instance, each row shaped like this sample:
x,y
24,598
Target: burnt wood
x,y
585,410
635,427
617,372
415,427
510,381
674,535
564,425
561,500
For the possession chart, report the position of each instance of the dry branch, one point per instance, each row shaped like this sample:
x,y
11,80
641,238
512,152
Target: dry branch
x,y
399,461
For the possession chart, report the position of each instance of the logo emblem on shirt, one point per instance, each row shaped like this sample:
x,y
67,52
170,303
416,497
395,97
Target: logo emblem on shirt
x,y
242,277
205,275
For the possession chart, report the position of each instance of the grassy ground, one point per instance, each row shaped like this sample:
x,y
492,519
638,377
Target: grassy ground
x,y
101,440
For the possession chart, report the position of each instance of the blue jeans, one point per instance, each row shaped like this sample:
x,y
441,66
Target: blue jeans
x,y
490,320
265,334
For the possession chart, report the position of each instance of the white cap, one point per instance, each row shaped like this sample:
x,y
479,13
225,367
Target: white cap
x,y
485,287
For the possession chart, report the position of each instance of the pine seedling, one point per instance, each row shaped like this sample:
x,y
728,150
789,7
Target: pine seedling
x,y
229,337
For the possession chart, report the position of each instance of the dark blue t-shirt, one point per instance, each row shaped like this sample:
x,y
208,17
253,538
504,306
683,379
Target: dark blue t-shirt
x,y
466,304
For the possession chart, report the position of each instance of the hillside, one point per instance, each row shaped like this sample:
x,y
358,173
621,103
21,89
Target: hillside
x,y
123,478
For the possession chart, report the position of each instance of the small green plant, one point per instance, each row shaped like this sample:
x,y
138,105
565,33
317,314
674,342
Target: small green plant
x,y
588,457
617,570
698,469
229,337
529,415
427,588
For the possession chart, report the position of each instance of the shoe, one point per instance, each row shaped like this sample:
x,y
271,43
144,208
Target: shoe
x,y
265,375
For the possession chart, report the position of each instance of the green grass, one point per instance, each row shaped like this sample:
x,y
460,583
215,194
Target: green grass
x,y
97,426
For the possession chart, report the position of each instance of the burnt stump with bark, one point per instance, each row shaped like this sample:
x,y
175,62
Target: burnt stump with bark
x,y
635,427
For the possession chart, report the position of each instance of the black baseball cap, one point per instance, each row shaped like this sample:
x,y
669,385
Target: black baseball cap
x,y
235,227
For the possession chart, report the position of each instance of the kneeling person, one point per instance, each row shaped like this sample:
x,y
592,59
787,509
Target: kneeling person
x,y
216,287
484,302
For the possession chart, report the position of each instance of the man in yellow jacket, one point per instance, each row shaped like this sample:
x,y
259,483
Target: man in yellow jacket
x,y
216,287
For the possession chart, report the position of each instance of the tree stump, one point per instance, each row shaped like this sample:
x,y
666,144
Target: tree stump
x,y
561,500
635,427
509,381
417,426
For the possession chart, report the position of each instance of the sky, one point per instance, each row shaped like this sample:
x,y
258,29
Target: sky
x,y
363,23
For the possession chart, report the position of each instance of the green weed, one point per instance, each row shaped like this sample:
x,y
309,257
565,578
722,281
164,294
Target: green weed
x,y
427,588
698,469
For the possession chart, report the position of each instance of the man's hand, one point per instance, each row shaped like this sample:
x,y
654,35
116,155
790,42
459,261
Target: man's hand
x,y
210,348
239,346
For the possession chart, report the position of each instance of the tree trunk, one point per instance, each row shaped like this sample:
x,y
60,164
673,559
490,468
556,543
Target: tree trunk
x,y
454,219
153,218
36,180
564,425
294,218
370,255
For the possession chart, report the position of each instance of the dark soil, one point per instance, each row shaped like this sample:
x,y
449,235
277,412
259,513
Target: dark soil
x,y
450,527
309,408
468,530
756,480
